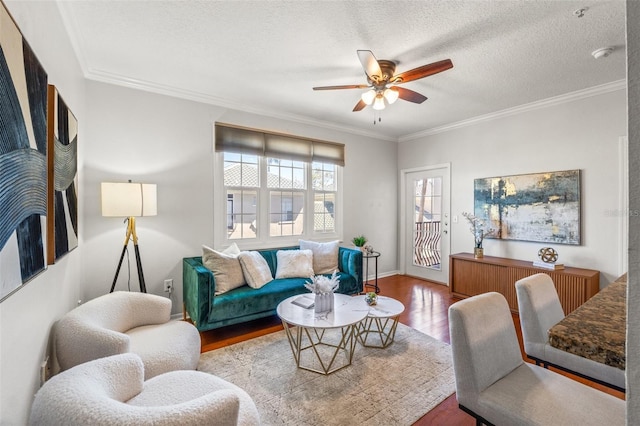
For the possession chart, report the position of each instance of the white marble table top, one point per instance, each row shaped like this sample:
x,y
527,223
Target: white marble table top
x,y
385,308
346,311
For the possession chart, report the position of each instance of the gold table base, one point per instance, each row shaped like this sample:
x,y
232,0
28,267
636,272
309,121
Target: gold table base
x,y
314,341
383,329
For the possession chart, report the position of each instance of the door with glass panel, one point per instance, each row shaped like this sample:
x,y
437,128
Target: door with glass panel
x,y
426,222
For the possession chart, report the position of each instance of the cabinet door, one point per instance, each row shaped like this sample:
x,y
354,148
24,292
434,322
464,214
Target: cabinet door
x,y
472,278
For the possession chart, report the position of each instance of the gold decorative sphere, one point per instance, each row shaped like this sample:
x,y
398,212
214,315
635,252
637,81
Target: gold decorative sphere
x,y
548,255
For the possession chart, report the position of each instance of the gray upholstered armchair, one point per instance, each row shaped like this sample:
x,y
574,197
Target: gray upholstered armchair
x,y
540,309
112,391
123,322
496,386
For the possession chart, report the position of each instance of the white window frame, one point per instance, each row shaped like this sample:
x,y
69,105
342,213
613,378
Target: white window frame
x,y
263,240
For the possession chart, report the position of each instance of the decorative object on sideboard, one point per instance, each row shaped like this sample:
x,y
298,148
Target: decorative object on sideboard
x,y
548,255
129,200
371,298
323,287
542,207
359,241
479,230
548,259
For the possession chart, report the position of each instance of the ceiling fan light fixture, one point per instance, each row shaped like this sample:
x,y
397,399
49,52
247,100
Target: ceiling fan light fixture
x,y
391,95
368,96
378,104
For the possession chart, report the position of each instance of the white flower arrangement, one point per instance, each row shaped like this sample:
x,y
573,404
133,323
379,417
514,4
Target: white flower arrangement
x,y
320,284
478,228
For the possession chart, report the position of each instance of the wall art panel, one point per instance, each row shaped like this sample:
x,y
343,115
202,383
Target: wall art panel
x,y
23,159
62,229
540,207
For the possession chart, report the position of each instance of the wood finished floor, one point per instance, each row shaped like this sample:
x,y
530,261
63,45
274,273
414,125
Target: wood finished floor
x,y
426,307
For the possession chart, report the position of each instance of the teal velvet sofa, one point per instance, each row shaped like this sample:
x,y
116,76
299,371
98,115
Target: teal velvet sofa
x,y
208,310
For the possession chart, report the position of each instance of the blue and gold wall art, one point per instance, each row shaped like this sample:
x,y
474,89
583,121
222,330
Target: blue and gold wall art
x,y
540,207
23,159
62,229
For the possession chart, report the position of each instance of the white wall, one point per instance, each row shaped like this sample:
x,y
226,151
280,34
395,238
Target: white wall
x,y
633,290
582,134
26,316
159,139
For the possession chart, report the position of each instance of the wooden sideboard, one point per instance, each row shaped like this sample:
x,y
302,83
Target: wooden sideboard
x,y
469,276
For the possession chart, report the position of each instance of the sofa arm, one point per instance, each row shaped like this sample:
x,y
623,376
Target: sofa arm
x,y
141,309
350,262
72,332
198,289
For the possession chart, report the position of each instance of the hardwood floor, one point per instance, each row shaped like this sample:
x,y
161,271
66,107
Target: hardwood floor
x,y
426,310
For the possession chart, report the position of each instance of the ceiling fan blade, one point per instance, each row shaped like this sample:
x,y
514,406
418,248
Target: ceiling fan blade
x,y
359,106
348,86
423,71
370,64
410,95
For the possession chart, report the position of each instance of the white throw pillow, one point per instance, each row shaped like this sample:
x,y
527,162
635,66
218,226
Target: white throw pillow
x,y
255,268
225,267
232,250
294,264
325,255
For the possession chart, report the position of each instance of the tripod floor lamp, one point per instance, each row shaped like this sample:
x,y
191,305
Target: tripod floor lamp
x,y
129,200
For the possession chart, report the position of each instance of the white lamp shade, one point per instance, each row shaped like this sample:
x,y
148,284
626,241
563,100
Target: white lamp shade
x,y
391,95
368,96
128,199
378,104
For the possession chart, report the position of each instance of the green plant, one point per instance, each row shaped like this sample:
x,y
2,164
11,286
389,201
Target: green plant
x,y
359,241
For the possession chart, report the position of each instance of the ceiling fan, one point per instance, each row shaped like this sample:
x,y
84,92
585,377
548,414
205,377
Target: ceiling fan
x,y
383,82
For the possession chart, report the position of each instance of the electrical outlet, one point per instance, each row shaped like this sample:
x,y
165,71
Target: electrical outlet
x,y
168,285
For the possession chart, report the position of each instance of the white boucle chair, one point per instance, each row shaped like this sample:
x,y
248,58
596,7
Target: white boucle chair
x,y
496,386
540,309
123,322
112,391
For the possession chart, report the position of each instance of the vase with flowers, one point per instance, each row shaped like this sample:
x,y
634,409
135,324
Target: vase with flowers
x,y
323,288
480,230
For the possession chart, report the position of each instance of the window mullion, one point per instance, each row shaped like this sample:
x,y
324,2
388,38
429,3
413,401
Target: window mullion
x,y
265,203
309,194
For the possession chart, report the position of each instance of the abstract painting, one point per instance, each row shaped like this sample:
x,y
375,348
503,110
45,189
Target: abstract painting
x,y
23,159
540,207
62,227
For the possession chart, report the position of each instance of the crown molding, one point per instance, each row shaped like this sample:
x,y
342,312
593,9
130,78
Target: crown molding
x,y
545,103
162,89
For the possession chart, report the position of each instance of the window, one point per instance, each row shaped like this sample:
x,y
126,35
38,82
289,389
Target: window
x,y
275,189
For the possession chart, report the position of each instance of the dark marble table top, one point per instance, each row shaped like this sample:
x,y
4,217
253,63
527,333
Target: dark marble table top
x,y
597,329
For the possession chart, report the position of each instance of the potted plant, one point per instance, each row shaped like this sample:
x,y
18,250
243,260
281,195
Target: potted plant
x,y
359,241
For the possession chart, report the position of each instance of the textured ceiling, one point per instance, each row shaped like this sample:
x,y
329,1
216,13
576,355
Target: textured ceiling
x,y
265,56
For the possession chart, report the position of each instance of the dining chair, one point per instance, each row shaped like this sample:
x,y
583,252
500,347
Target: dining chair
x,y
496,386
540,309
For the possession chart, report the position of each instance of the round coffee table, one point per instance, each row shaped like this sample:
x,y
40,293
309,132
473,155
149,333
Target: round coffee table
x,y
381,322
323,336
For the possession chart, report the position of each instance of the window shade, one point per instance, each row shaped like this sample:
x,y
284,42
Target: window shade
x,y
243,140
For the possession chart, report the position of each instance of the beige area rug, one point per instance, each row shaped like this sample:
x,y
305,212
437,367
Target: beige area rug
x,y
392,386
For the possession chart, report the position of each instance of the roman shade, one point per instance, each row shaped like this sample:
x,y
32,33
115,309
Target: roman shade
x,y
230,138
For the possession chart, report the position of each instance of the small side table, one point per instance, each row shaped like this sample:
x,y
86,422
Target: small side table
x,y
378,329
373,255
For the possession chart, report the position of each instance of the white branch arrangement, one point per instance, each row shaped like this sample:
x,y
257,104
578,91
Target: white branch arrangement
x,y
320,284
478,228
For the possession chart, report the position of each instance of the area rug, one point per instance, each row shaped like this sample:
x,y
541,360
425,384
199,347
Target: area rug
x,y
393,386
